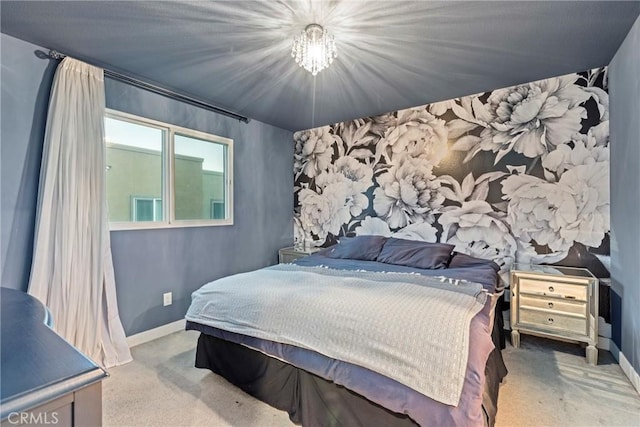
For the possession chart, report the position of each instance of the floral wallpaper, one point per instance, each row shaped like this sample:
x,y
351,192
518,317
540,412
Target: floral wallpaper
x,y
516,174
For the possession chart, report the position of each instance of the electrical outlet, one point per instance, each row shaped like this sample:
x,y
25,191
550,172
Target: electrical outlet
x,y
167,299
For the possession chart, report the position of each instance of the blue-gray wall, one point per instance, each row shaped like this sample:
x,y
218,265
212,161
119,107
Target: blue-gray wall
x,y
25,83
147,262
624,92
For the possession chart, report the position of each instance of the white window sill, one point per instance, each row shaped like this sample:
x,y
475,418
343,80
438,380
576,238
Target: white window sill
x,y
150,225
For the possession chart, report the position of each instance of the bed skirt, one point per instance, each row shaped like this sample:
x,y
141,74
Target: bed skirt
x,y
314,401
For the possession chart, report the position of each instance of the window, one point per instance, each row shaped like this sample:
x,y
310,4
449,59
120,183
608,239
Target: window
x,y
146,209
161,175
217,209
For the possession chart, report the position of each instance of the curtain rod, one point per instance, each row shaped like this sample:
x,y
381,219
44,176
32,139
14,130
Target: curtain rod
x,y
161,91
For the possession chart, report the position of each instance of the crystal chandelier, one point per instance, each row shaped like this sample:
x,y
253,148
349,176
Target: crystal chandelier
x,y
314,49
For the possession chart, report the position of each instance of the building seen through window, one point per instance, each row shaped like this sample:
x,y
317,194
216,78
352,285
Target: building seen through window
x,y
163,174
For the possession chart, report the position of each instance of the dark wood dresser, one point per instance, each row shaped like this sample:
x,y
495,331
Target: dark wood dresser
x,y
44,379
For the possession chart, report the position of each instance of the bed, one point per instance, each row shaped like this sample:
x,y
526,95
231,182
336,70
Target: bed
x,y
371,331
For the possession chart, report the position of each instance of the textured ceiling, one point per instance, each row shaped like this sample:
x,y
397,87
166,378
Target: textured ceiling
x,y
391,54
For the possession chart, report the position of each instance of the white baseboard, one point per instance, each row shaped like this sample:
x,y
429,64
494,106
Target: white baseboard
x,y
156,333
614,350
630,372
626,367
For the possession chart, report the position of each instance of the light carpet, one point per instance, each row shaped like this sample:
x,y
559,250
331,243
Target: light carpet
x,y
549,384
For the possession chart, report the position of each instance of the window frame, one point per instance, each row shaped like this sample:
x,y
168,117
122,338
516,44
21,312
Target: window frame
x,y
168,175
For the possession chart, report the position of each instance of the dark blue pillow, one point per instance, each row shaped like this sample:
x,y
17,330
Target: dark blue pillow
x,y
414,253
364,248
460,260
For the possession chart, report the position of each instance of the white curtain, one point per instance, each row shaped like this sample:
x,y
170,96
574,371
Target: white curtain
x,y
72,269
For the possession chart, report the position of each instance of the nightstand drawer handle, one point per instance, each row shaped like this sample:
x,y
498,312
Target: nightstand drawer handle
x,y
551,289
550,320
550,305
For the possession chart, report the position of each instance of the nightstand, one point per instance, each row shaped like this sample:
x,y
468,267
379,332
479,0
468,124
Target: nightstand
x,y
555,302
292,253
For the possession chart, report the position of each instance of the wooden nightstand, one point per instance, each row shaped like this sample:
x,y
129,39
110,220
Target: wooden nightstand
x,y
555,302
291,253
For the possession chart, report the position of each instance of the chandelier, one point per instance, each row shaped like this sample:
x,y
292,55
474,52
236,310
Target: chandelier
x,y
314,49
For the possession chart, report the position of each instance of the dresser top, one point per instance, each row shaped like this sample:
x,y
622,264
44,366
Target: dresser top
x,y
553,270
37,364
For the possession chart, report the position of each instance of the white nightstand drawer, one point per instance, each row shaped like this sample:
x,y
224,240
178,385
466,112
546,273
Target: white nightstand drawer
x,y
575,324
556,305
285,258
550,288
290,254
